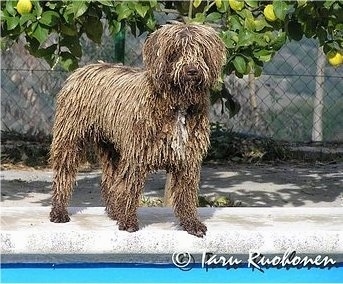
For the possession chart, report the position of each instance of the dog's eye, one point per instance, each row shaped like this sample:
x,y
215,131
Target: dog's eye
x,y
172,57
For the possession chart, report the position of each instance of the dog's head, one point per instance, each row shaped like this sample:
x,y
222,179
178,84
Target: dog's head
x,y
184,57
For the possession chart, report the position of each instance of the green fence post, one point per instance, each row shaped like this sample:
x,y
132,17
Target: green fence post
x,y
119,46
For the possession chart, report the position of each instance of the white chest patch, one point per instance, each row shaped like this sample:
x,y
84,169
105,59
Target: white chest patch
x,y
180,136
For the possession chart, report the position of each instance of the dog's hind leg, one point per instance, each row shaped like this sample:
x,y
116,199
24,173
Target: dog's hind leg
x,y
65,158
124,196
109,159
184,187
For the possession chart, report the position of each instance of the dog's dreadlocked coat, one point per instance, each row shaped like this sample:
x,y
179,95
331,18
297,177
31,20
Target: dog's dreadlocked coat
x,y
140,120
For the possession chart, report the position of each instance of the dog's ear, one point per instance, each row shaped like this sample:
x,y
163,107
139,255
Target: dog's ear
x,y
156,45
150,49
213,49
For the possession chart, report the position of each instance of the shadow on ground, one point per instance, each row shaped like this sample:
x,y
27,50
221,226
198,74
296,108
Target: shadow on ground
x,y
253,185
279,186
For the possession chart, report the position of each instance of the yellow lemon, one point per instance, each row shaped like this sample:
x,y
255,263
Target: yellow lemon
x,y
335,58
236,5
196,3
24,7
218,3
269,13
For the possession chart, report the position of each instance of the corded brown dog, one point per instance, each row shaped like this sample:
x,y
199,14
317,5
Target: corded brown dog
x,y
140,120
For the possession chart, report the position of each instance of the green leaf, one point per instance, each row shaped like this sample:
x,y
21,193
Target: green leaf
x,y
234,23
106,3
26,18
252,3
133,28
260,24
40,33
233,106
131,4
141,10
68,61
73,44
257,70
12,22
263,55
249,24
213,17
32,46
49,18
79,8
337,10
295,30
230,39
240,64
114,27
278,41
215,96
32,27
328,3
245,13
322,35
153,3
37,8
46,53
339,27
310,28
199,18
94,29
224,7
262,52
280,9
245,38
69,30
123,11
52,6
10,7
68,13
330,46
151,24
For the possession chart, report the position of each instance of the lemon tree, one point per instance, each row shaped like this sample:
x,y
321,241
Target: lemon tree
x,y
252,30
66,21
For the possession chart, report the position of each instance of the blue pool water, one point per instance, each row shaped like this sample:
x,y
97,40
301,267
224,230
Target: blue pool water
x,y
153,273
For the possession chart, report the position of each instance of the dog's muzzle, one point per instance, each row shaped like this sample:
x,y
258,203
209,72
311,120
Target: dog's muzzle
x,y
192,73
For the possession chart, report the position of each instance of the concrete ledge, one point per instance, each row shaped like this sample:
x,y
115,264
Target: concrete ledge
x,y
26,231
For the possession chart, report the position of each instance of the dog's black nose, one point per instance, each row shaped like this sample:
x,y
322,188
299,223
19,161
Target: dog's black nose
x,y
192,71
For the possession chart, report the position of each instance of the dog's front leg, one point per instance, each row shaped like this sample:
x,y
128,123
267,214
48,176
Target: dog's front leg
x,y
184,187
124,197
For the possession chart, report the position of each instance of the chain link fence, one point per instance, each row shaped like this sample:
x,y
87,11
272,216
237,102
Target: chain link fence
x,y
298,98
293,100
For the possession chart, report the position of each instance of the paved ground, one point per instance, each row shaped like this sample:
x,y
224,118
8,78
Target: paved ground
x,y
283,185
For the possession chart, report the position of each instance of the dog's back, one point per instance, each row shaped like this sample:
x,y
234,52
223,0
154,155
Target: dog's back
x,y
94,97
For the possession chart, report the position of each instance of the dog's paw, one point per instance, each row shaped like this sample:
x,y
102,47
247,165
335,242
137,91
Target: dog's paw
x,y
194,227
59,216
128,226
111,213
